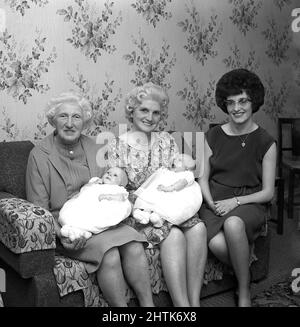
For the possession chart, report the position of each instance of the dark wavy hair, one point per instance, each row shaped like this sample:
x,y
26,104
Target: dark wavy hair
x,y
236,82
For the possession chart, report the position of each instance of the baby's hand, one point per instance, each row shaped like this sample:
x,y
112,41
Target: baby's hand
x,y
96,180
164,188
111,197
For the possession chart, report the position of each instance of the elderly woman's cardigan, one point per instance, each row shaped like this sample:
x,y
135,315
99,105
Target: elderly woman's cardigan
x,y
44,169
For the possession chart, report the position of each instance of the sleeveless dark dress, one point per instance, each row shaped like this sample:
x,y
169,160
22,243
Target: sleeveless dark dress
x,y
236,171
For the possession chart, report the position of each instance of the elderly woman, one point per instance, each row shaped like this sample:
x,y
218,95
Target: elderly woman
x,y
239,175
141,152
57,168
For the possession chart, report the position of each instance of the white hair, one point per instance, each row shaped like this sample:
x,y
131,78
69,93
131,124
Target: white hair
x,y
69,97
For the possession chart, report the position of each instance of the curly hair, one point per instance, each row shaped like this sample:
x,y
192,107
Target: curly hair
x,y
69,97
147,91
236,82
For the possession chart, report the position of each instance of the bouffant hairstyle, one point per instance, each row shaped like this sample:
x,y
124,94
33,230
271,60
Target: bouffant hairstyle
x,y
236,82
70,97
147,91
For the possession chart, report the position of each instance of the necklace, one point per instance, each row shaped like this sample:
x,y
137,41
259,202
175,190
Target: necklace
x,y
243,140
69,148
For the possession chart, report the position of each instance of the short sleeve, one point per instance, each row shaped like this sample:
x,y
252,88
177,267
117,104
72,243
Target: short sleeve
x,y
211,136
266,141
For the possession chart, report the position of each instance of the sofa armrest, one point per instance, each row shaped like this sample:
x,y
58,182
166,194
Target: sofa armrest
x,y
5,195
27,237
25,227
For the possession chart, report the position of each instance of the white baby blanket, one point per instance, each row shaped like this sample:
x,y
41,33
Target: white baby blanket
x,y
177,206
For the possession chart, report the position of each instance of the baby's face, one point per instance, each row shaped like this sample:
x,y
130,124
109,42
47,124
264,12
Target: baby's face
x,y
185,163
113,176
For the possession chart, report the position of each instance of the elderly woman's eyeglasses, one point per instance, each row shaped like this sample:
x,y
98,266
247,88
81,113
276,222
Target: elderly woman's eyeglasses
x,y
243,102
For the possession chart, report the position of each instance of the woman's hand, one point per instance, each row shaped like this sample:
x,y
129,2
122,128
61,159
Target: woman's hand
x,y
71,243
212,206
224,206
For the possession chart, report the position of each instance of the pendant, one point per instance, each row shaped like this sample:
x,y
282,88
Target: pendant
x,y
243,144
72,152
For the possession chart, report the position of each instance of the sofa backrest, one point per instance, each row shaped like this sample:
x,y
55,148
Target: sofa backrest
x,y
13,163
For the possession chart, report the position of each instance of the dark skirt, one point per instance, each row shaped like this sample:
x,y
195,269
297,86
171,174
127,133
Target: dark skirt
x,y
96,246
253,215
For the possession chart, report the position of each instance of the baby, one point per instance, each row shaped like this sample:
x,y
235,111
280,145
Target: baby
x,y
171,195
100,204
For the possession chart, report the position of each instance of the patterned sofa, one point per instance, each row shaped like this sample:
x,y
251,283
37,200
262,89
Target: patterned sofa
x,y
36,276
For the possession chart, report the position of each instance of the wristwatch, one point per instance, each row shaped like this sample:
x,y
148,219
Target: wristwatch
x,y
237,201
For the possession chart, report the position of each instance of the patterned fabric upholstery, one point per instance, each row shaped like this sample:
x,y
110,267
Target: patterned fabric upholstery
x,y
13,158
71,276
25,227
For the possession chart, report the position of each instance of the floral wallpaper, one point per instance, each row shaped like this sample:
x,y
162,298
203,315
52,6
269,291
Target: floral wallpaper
x,y
105,47
200,39
21,6
152,10
244,14
91,30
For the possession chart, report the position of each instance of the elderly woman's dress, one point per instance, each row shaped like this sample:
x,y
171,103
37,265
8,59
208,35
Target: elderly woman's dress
x,y
236,170
54,174
140,162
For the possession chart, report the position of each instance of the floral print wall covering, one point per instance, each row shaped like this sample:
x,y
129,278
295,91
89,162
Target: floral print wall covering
x,y
22,70
91,30
103,48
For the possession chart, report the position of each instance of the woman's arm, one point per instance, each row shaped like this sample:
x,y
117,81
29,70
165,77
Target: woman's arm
x,y
268,184
204,179
36,193
268,179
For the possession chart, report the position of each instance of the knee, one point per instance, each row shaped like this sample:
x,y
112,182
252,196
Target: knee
x,y
234,224
133,250
176,235
111,259
217,244
200,230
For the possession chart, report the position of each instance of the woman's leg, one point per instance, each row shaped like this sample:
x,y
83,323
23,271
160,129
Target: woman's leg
x,y
111,279
173,260
218,247
196,261
136,271
238,246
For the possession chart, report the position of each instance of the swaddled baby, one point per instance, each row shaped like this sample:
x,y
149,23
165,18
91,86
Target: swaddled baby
x,y
173,195
100,204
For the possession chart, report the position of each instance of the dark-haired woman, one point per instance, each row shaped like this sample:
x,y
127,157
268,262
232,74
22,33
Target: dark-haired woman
x,y
239,176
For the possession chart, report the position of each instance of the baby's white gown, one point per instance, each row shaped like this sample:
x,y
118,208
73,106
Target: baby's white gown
x,y
177,206
86,212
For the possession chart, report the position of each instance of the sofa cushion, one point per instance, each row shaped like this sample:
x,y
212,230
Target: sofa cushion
x,y
13,158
